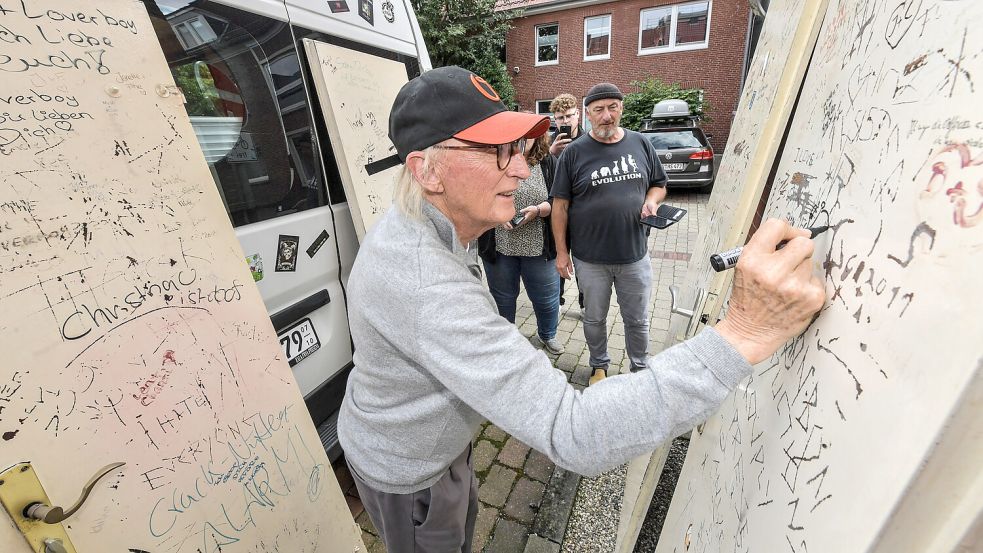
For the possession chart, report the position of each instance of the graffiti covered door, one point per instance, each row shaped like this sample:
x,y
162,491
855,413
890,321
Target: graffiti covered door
x,y
131,329
864,433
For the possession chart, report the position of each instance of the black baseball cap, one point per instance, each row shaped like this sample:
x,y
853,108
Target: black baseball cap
x,y
453,102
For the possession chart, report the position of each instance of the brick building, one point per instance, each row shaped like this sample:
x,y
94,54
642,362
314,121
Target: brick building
x,y
569,45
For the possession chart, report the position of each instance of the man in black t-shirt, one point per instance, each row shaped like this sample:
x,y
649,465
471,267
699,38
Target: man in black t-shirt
x,y
604,184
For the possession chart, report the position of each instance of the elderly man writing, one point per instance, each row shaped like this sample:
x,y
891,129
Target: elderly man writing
x,y
433,359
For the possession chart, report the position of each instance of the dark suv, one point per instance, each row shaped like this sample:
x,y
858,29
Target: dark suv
x,y
683,148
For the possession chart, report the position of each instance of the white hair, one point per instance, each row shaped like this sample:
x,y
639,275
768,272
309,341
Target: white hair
x,y
408,193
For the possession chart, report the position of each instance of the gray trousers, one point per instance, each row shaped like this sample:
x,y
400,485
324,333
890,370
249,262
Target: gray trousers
x,y
438,519
633,283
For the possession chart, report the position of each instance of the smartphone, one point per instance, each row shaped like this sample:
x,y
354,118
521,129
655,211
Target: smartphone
x,y
519,217
665,216
565,129
670,212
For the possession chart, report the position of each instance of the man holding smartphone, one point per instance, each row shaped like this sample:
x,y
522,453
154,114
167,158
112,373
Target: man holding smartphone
x,y
604,185
567,117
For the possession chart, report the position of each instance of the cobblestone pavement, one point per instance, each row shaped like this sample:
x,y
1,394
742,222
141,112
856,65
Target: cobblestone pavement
x,y
526,505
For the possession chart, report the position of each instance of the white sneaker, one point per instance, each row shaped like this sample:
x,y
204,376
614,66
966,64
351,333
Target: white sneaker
x,y
552,345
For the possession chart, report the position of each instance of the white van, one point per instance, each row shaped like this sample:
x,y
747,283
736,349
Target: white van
x,y
248,90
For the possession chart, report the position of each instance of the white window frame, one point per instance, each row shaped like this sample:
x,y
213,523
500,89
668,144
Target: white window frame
x,y
287,88
672,46
610,38
548,113
536,45
195,33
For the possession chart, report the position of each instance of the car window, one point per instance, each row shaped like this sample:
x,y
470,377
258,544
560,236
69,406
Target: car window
x,y
241,76
674,140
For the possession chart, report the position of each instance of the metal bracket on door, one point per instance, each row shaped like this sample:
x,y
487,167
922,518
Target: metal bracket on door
x,y
688,313
24,499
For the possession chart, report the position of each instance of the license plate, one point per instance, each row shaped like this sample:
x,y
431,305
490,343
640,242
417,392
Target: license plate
x,y
299,342
674,166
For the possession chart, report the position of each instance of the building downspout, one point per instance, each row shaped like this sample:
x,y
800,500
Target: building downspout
x,y
756,17
747,50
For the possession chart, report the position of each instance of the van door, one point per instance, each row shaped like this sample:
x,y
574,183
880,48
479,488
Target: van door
x,y
241,75
393,40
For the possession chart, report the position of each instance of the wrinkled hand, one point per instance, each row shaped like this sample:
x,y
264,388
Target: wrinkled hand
x,y
564,265
775,294
559,144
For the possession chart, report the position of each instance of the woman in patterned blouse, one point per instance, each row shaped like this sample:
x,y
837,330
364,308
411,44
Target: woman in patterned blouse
x,y
527,250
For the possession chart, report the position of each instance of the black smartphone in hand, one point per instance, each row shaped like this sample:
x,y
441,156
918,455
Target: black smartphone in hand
x,y
664,216
517,220
565,129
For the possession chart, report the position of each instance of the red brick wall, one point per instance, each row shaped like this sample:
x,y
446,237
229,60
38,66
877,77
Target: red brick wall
x,y
716,69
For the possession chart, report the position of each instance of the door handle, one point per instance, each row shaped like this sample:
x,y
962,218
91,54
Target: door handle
x,y
300,309
673,292
688,313
54,514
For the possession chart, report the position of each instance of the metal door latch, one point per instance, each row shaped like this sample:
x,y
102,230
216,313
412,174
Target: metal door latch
x,y
673,292
54,514
688,313
25,501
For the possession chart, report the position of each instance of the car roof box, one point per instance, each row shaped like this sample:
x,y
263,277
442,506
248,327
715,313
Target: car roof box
x,y
671,109
670,113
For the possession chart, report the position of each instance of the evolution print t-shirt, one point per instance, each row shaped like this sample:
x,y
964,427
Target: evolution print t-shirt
x,y
606,185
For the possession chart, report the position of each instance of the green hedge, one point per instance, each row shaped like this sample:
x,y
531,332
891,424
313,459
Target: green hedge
x,y
638,104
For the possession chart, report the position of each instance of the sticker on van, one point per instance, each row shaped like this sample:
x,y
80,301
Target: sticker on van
x,y
389,11
339,6
255,262
318,242
286,253
365,10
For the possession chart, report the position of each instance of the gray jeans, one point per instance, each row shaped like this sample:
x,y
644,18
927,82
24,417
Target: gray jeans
x,y
438,519
633,283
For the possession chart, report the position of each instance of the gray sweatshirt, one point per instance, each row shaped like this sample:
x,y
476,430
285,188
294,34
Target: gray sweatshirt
x,y
433,360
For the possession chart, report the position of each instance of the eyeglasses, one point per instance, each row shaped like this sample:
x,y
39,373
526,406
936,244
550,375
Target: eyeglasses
x,y
504,152
565,116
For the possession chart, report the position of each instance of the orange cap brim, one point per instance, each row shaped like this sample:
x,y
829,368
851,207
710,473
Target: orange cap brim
x,y
505,127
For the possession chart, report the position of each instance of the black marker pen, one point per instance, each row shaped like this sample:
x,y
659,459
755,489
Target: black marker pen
x,y
728,259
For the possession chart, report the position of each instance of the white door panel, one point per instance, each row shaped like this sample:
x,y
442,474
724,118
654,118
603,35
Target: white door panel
x,y
347,239
243,80
283,289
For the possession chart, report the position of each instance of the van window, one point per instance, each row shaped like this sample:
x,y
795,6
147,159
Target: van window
x,y
241,77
